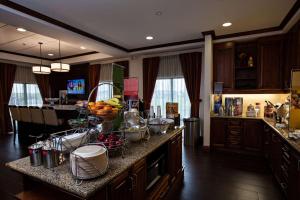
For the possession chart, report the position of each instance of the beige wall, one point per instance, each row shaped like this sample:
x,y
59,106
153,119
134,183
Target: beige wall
x,y
256,98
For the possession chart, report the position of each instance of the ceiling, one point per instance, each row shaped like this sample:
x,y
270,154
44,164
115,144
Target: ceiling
x,y
128,22
26,43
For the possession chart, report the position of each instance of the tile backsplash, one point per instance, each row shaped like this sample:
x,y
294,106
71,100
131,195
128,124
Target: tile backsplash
x,y
256,98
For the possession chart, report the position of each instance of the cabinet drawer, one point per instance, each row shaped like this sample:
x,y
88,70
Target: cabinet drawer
x,y
235,123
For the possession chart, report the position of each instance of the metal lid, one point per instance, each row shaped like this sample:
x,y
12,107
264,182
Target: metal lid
x,y
192,119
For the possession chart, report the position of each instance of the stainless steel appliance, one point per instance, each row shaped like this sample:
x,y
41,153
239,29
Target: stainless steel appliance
x,y
35,153
156,168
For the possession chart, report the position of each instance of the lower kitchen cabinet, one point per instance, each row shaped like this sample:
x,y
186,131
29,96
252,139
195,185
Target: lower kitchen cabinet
x,y
218,132
294,177
139,176
253,135
121,187
237,134
175,157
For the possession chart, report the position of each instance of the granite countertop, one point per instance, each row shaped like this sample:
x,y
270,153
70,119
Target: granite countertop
x,y
283,132
61,176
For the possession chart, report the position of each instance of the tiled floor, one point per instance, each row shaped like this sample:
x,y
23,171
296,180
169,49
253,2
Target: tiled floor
x,y
208,176
220,176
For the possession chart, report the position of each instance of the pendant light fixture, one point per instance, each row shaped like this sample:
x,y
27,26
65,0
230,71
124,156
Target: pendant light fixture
x,y
40,69
59,66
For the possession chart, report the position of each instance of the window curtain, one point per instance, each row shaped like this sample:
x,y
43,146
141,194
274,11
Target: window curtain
x,y
7,77
125,64
43,82
24,75
150,72
170,67
94,78
191,69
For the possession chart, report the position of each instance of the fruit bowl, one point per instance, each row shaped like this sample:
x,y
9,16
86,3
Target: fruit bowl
x,y
113,142
107,110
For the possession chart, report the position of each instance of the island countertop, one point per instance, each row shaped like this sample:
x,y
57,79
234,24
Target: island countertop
x,y
62,178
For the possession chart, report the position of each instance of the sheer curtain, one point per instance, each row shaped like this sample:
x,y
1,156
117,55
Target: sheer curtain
x,y
105,91
25,90
170,87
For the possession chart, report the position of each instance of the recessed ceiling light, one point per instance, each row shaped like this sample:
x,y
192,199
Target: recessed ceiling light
x,y
227,24
158,13
21,29
50,54
82,47
149,37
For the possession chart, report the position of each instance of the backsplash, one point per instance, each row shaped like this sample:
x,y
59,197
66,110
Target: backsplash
x,y
255,98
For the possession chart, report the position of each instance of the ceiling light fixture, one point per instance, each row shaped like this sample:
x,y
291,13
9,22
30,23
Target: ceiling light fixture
x,y
149,37
21,29
59,66
226,24
50,54
82,47
40,69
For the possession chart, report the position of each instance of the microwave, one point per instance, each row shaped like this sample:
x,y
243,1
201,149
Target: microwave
x,y
156,170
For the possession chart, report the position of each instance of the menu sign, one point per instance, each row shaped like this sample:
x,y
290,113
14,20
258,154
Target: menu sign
x,y
118,80
171,110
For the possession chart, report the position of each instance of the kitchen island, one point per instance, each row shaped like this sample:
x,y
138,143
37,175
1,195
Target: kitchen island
x,y
126,175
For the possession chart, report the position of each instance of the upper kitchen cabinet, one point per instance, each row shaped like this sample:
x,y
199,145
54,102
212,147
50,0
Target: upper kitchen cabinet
x,y
291,53
270,53
223,58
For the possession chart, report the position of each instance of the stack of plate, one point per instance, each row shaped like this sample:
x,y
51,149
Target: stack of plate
x,y
89,161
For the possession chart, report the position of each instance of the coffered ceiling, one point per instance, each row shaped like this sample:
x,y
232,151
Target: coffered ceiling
x,y
128,22
118,27
26,43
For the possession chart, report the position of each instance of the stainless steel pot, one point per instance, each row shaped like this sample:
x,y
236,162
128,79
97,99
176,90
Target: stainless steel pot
x,y
50,157
35,154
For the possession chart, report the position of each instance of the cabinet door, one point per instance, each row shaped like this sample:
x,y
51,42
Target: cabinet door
x,y
218,132
121,187
294,177
252,137
223,58
172,158
276,155
270,57
267,139
139,176
179,154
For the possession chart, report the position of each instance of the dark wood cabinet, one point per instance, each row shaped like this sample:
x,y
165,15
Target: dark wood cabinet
x,y
294,177
121,187
139,176
267,140
253,135
175,157
276,156
271,61
291,54
223,62
218,132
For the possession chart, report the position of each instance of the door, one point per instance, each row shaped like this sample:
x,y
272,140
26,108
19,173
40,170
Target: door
x,y
270,57
294,177
121,187
252,137
139,176
276,156
223,58
218,128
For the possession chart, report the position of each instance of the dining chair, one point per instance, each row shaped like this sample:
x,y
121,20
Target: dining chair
x,y
51,119
16,117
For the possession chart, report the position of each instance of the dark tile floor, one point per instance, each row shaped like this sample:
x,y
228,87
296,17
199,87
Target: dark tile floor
x,y
208,176
224,176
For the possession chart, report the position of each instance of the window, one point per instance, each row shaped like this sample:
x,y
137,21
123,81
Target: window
x,y
104,92
171,90
25,95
